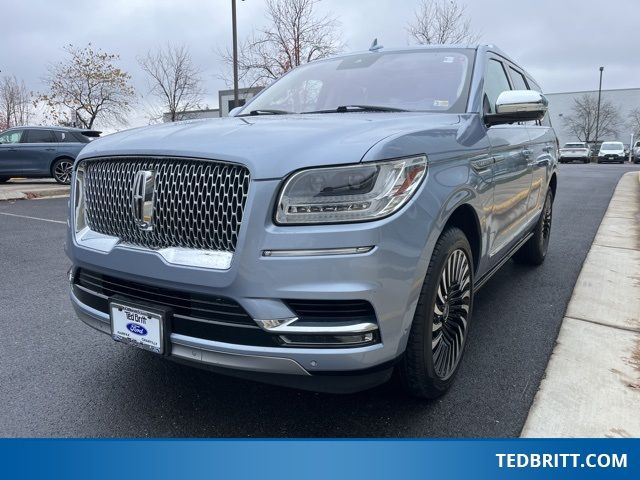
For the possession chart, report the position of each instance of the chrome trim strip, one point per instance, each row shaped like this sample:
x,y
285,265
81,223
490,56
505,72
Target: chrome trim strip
x,y
90,292
254,363
317,252
287,325
186,257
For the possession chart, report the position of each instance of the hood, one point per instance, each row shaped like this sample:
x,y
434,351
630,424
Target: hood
x,y
270,146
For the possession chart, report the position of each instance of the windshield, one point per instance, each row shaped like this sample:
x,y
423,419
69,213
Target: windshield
x,y
612,146
417,80
575,145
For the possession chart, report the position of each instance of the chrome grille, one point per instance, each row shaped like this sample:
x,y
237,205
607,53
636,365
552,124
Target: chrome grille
x,y
197,203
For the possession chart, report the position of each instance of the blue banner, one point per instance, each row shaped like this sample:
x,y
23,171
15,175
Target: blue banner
x,y
320,459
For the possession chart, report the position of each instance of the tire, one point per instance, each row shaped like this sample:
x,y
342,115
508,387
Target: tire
x,y
61,170
535,250
4,179
441,321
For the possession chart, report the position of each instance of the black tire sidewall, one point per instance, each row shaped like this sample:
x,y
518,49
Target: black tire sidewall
x,y
539,235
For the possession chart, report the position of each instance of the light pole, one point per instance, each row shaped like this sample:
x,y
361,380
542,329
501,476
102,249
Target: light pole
x,y
235,53
598,111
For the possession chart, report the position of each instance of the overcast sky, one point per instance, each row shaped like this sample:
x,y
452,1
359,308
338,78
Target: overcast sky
x,y
560,42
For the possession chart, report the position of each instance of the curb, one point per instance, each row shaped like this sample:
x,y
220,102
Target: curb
x,y
29,195
592,382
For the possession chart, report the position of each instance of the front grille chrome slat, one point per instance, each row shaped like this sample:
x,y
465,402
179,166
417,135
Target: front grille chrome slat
x,y
197,204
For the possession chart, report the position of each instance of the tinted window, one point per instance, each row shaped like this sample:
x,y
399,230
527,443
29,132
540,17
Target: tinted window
x,y
519,83
495,82
13,136
69,137
63,136
39,136
421,80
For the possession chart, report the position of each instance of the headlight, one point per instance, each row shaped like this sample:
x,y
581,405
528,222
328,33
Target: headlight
x,y
353,193
78,201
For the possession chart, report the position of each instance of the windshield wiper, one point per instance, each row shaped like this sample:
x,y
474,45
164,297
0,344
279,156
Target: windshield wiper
x,y
360,108
265,111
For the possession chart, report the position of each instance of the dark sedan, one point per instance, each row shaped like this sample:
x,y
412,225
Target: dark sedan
x,y
41,152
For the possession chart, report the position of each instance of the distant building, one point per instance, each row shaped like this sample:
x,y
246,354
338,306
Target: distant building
x,y
193,114
225,100
561,104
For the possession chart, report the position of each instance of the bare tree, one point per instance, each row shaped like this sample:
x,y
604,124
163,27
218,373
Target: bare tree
x,y
581,122
295,35
173,79
88,87
15,103
634,122
440,22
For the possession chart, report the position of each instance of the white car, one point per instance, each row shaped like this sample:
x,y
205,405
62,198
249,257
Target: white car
x,y
611,152
575,151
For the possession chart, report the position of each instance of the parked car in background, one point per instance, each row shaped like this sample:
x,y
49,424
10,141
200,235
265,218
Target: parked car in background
x,y
40,152
636,152
575,151
334,229
611,152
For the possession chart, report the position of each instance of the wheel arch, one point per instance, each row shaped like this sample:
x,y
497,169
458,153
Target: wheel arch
x,y
59,157
466,219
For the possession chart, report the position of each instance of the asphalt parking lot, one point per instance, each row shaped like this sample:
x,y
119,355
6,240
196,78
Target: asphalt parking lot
x,y
60,378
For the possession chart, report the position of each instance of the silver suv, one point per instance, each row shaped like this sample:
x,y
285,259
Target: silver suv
x,y
333,231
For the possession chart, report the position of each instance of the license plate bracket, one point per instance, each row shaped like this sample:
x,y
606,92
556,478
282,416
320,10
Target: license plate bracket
x,y
140,324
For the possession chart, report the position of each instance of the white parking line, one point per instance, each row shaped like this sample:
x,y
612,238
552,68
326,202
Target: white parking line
x,y
32,218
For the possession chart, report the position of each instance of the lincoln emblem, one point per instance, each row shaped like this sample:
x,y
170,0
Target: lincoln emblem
x,y
142,199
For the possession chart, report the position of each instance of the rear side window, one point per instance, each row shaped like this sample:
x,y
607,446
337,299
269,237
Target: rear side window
x,y
519,82
64,136
39,136
495,83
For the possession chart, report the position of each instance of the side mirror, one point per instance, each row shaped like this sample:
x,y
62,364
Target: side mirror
x,y
518,106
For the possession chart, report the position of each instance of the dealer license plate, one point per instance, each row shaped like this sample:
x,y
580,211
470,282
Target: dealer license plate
x,y
137,327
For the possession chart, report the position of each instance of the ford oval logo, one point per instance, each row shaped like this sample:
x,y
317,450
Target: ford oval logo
x,y
137,329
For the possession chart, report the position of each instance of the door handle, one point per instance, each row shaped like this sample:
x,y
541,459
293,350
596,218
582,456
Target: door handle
x,y
526,152
49,149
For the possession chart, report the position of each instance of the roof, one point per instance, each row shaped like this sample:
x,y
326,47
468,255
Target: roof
x,y
53,127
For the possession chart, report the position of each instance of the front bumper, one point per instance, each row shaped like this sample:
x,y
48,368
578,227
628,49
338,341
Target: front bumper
x,y
611,158
574,156
224,359
388,276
